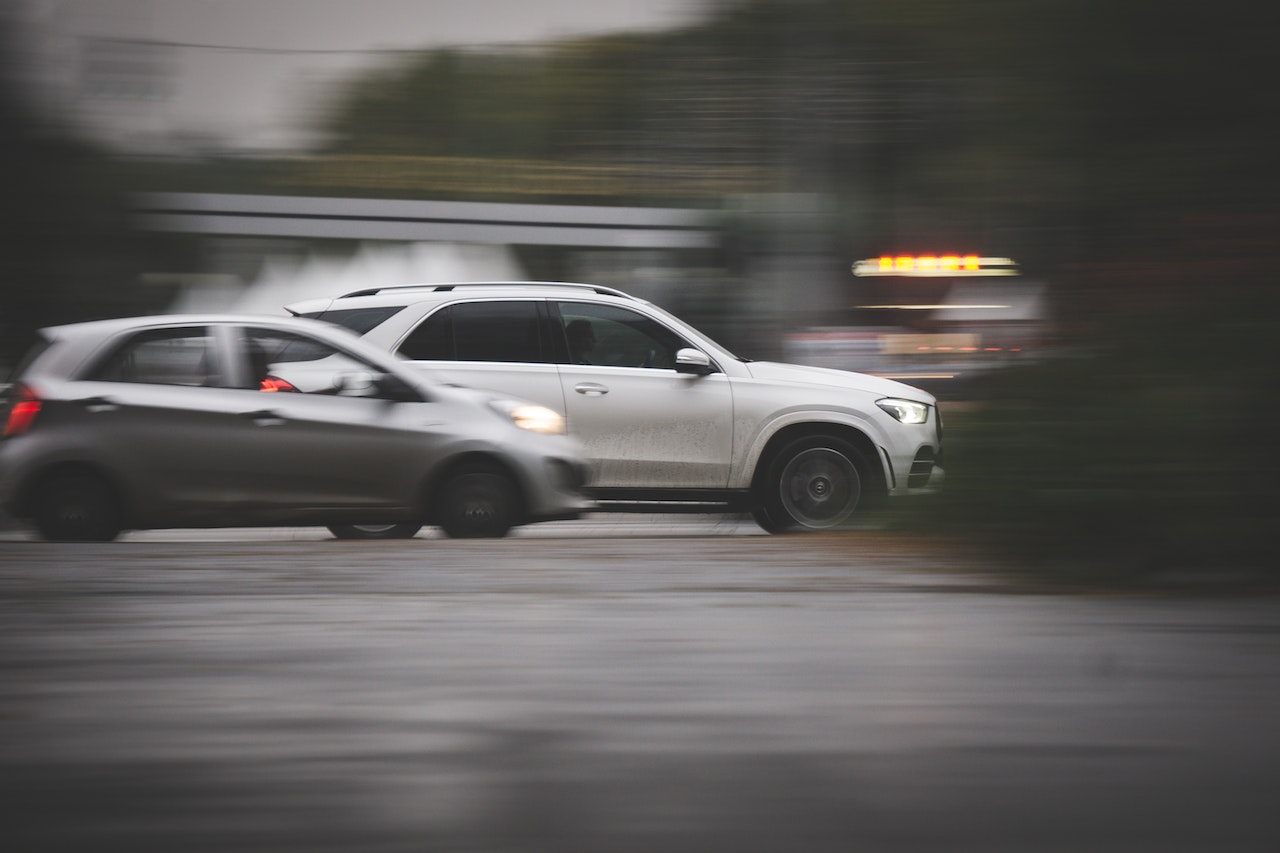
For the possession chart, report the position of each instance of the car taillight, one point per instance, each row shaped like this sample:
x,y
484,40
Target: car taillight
x,y
22,411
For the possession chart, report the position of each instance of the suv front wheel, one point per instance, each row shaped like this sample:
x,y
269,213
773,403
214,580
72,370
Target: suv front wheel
x,y
815,483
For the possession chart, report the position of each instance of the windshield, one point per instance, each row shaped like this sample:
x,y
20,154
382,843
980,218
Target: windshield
x,y
692,332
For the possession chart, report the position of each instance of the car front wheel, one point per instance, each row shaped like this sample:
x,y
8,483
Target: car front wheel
x,y
815,483
477,503
375,531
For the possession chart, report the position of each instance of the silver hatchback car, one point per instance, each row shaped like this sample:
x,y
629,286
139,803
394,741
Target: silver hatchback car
x,y
219,421
670,419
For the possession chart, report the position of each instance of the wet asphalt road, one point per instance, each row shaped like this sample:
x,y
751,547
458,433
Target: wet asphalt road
x,y
649,684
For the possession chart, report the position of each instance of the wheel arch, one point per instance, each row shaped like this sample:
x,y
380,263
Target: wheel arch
x,y
789,433
23,506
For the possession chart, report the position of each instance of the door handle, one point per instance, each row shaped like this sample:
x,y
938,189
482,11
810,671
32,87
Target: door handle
x,y
99,404
264,418
591,389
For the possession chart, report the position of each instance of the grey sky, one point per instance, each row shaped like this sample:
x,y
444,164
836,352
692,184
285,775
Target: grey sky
x,y
256,96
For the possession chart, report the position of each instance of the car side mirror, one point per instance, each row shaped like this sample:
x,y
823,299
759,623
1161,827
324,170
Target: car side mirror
x,y
355,382
694,362
386,386
392,387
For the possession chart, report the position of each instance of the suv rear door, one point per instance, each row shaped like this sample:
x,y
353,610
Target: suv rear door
x,y
503,345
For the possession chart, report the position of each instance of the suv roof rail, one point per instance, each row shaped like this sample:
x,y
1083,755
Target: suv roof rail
x,y
437,288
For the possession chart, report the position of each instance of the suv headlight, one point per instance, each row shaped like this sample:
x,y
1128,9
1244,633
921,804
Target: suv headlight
x,y
531,416
906,411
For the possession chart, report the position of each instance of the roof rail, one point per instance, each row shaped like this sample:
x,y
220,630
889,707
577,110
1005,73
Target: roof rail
x,y
437,288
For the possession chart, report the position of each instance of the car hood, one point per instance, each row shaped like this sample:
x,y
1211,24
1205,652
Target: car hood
x,y
773,371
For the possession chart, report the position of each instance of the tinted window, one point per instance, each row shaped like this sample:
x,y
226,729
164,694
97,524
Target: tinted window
x,y
358,320
163,357
617,337
432,340
478,331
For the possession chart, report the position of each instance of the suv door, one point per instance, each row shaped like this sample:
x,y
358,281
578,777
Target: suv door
x,y
502,345
643,424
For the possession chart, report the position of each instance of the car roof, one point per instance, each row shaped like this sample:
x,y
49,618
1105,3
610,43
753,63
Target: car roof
x,y
82,338
95,328
404,294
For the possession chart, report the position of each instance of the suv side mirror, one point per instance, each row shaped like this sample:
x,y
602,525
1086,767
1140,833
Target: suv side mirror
x,y
694,362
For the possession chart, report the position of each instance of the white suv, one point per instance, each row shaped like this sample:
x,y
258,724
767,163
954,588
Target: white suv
x,y
670,420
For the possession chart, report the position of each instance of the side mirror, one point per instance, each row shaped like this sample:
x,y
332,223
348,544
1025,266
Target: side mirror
x,y
393,388
694,362
355,382
386,386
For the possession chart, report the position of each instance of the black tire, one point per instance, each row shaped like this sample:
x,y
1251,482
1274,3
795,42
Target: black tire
x,y
76,506
375,531
478,503
818,482
760,513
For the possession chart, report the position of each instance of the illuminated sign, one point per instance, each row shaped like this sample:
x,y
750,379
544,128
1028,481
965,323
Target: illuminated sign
x,y
924,266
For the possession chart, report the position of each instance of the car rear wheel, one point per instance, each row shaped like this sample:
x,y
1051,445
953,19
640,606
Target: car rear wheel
x,y
815,483
478,503
375,531
76,507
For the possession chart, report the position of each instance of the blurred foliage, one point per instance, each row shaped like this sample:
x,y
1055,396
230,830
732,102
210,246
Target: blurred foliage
x,y
69,253
1105,467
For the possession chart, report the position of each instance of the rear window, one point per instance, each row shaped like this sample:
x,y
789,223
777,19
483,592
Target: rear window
x,y
478,331
358,320
37,349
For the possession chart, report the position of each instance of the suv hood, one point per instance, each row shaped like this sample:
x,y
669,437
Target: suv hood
x,y
801,374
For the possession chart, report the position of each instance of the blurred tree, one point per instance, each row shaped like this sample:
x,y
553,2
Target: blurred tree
x,y
69,253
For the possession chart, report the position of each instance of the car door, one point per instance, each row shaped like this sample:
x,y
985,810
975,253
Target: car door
x,y
643,424
159,410
324,436
499,345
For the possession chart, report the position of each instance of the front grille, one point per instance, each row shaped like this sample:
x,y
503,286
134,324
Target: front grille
x,y
921,468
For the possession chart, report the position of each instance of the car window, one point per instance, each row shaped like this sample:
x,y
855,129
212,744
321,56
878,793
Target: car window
x,y
617,337
287,361
478,331
183,356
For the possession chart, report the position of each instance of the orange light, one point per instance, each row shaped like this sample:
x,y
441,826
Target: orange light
x,y
951,262
971,262
904,262
886,263
927,262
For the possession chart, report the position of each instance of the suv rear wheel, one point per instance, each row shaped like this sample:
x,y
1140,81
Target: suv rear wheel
x,y
815,483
